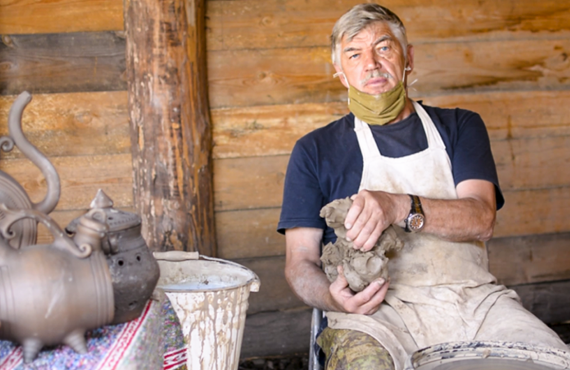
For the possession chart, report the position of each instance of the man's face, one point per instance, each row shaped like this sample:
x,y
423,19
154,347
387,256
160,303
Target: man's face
x,y
373,61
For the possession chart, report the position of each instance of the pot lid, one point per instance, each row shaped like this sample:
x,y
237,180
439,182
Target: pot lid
x,y
116,219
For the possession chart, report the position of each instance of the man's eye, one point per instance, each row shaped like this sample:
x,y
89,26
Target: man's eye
x,y
353,56
383,49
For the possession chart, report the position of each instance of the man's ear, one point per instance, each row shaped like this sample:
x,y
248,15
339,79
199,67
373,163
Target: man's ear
x,y
341,75
410,66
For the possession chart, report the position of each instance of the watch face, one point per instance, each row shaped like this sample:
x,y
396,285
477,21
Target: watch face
x,y
416,222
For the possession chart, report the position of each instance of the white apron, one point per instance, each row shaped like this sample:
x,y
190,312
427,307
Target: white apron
x,y
439,290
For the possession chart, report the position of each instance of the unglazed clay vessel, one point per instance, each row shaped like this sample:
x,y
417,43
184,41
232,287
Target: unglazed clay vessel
x,y
53,293
134,271
11,193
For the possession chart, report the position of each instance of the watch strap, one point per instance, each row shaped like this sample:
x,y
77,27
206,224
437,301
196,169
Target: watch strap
x,y
415,208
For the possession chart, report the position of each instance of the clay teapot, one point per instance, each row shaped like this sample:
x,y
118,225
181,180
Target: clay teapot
x,y
53,293
24,232
134,271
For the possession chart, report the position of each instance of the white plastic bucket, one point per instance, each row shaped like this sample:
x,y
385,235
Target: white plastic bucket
x,y
489,355
210,297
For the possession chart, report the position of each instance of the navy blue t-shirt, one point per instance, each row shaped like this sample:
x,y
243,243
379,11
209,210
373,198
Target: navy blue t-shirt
x,y
326,164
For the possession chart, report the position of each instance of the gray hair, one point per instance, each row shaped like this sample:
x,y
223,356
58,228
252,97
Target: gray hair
x,y
360,17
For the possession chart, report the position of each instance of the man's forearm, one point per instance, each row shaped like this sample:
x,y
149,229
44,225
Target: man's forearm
x,y
459,220
311,285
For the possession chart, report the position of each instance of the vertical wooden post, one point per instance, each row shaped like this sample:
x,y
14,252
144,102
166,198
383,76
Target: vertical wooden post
x,y
170,126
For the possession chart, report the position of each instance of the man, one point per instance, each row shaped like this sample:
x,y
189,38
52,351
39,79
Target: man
x,y
430,172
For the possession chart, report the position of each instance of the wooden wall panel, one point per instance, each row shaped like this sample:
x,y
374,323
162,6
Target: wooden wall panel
x,y
280,24
72,124
52,16
304,75
62,62
80,179
250,182
530,259
274,293
249,233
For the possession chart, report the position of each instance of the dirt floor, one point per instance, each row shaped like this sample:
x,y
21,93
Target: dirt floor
x,y
294,362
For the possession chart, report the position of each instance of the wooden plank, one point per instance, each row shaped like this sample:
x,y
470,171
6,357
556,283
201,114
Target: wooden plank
x,y
274,293
538,211
514,114
53,16
269,129
251,182
63,62
80,178
249,233
73,124
304,75
276,333
530,259
273,129
532,163
548,301
288,23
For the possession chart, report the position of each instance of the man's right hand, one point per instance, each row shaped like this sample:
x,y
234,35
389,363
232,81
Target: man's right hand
x,y
365,302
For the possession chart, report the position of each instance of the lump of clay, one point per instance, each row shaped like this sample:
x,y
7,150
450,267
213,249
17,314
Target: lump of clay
x,y
360,268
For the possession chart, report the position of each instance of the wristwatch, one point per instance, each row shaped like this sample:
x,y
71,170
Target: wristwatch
x,y
416,219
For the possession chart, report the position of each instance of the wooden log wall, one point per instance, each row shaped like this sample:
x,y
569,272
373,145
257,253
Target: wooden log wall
x,y
270,81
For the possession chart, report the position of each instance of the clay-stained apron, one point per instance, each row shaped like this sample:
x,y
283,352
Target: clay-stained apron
x,y
438,290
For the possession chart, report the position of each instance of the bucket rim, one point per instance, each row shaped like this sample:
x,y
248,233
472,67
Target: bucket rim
x,y
178,256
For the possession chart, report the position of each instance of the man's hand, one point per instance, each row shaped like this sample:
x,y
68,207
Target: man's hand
x,y
365,302
371,213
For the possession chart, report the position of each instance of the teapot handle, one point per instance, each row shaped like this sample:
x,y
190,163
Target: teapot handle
x,y
61,241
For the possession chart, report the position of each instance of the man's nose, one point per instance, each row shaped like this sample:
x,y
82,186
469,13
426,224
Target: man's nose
x,y
371,60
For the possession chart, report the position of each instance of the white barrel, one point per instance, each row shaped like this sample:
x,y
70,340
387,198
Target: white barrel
x,y
482,355
210,297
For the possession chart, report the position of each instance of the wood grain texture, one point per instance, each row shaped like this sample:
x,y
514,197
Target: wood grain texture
x,y
530,259
53,16
248,24
249,233
170,128
74,124
274,293
62,62
250,182
304,75
80,179
540,211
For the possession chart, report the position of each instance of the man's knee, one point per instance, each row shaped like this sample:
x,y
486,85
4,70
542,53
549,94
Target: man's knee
x,y
353,350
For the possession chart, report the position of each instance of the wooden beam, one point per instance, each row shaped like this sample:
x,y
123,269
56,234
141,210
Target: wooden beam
x,y
170,131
